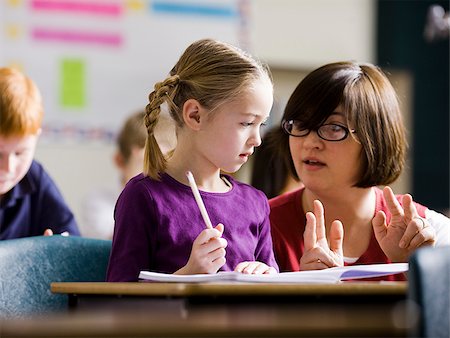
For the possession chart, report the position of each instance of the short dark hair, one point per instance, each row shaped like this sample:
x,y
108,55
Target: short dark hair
x,y
269,172
370,106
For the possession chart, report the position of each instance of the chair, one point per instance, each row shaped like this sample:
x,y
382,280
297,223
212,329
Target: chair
x,y
429,291
29,265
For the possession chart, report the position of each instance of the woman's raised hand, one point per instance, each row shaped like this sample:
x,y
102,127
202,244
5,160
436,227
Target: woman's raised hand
x,y
319,253
406,231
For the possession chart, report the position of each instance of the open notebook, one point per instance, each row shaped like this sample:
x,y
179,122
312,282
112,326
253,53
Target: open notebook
x,y
327,276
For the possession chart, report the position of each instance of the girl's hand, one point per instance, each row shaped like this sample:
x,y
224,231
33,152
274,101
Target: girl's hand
x,y
407,230
254,268
208,252
318,252
49,232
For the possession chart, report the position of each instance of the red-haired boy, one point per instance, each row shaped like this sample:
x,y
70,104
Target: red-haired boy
x,y
30,202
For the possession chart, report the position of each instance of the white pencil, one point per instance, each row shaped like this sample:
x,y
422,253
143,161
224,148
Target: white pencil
x,y
199,200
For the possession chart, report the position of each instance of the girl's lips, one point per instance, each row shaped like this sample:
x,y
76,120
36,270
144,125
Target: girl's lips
x,y
245,157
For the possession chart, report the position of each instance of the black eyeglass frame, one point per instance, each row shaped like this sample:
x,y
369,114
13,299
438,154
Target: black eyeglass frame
x,y
286,123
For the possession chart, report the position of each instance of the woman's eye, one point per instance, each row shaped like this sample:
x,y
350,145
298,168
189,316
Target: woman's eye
x,y
335,128
247,124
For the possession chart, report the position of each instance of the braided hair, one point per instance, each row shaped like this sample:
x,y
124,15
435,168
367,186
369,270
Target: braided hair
x,y
208,71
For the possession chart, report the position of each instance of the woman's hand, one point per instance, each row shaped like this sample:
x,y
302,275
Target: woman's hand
x,y
406,231
208,252
318,252
255,268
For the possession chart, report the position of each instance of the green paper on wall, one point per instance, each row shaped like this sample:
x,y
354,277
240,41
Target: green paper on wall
x,y
73,84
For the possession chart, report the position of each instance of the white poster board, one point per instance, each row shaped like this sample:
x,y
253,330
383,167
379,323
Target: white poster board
x,y
96,61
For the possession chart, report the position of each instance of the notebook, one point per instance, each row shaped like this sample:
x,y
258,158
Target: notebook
x,y
326,276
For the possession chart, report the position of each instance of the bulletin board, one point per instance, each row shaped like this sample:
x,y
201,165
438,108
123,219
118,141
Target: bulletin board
x,y
96,61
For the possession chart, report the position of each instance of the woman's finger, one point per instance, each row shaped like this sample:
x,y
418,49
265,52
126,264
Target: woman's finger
x,y
409,208
393,205
337,237
426,236
320,220
309,235
413,228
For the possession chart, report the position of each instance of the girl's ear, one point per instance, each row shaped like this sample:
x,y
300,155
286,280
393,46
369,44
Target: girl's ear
x,y
191,114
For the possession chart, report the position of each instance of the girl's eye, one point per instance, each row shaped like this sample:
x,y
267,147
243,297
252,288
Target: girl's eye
x,y
247,124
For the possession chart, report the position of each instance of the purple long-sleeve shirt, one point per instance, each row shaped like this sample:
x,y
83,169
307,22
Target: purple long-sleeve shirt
x,y
156,223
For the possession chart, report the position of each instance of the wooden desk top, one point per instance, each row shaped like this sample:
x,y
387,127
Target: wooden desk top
x,y
250,289
168,315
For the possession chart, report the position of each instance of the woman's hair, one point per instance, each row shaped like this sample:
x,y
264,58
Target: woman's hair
x,y
21,109
132,135
371,108
269,173
208,71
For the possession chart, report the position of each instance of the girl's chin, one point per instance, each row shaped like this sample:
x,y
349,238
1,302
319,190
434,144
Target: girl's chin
x,y
231,169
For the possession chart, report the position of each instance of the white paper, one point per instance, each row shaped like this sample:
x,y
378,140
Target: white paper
x,y
326,276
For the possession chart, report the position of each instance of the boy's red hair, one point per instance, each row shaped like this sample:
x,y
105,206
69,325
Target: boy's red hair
x,y
21,108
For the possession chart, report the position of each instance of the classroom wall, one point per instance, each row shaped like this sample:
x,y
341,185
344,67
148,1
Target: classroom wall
x,y
304,34
292,36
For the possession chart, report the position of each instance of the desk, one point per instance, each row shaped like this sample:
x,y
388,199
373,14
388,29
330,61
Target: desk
x,y
258,310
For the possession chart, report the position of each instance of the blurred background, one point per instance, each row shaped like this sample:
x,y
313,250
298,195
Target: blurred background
x,y
96,61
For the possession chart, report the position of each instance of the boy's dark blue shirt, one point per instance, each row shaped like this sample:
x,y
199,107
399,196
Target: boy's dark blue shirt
x,y
33,205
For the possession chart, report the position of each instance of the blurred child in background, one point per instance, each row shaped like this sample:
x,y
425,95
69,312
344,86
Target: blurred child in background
x,y
98,208
30,202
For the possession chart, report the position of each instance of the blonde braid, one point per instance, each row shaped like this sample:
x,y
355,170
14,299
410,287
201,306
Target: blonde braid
x,y
154,160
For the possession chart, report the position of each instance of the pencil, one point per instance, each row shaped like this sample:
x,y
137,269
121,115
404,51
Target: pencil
x,y
199,200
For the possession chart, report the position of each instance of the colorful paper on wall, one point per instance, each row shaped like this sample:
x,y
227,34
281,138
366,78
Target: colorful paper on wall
x,y
73,84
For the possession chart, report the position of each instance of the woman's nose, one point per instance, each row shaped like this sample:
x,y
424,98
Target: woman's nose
x,y
312,140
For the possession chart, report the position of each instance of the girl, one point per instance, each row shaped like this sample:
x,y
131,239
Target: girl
x,y
218,97
342,135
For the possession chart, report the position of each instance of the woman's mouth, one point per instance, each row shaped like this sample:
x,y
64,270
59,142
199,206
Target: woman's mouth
x,y
314,163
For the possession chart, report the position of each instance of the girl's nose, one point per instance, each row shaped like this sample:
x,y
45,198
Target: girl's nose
x,y
255,139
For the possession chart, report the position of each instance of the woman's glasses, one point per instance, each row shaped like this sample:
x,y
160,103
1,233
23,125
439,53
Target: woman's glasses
x,y
329,132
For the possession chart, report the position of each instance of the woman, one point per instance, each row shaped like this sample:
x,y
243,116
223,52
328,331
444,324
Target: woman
x,y
342,135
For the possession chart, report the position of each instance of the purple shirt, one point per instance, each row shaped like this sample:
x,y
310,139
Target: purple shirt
x,y
156,223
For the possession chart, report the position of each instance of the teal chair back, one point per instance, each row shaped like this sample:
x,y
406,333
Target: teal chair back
x,y
29,265
429,291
